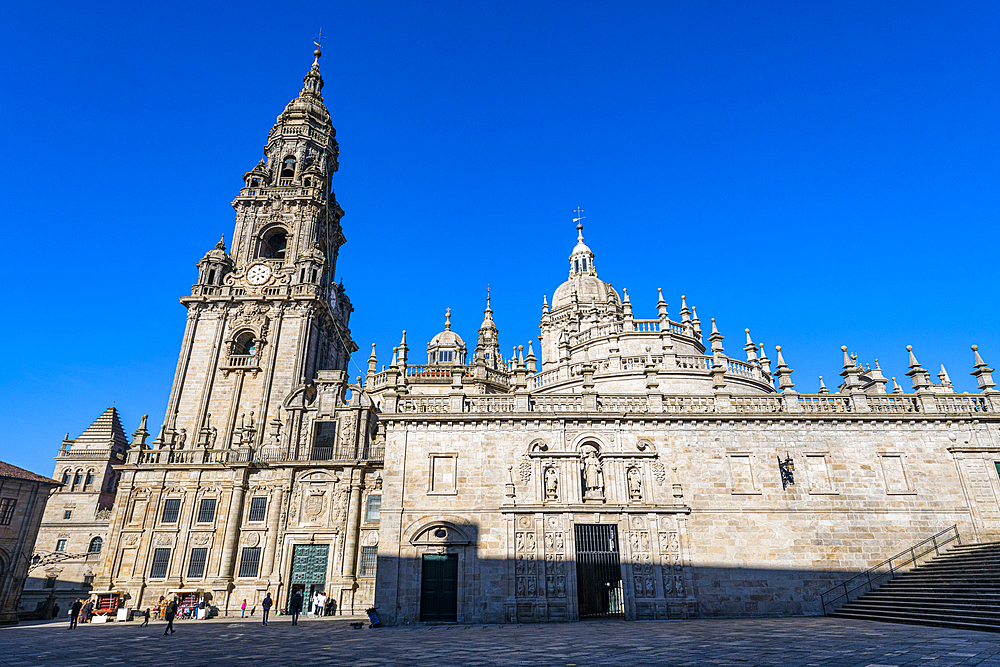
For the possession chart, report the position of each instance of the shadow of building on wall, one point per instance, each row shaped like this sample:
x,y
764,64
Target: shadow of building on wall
x,y
585,573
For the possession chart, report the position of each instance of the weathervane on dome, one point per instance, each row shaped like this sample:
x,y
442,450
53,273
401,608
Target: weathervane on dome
x,y
579,222
319,44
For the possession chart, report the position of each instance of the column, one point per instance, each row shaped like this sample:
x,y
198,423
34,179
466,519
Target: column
x,y
233,525
267,567
348,577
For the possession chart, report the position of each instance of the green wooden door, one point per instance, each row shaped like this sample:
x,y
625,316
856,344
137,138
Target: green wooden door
x,y
308,570
439,588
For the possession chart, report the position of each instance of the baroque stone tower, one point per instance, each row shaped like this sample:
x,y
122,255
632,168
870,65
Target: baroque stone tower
x,y
263,318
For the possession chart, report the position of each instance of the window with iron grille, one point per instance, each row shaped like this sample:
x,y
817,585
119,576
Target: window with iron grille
x,y
50,582
196,567
161,559
373,508
368,556
61,545
206,511
258,509
171,508
95,546
250,562
7,510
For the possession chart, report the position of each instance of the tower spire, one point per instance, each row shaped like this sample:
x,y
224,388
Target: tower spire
x,y
313,81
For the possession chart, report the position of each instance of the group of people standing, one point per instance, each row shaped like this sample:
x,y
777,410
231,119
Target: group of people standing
x,y
79,611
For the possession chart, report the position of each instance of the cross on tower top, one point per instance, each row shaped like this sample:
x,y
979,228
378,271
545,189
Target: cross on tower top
x,y
319,39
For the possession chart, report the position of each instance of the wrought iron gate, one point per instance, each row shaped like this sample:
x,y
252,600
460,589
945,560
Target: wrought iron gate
x,y
598,571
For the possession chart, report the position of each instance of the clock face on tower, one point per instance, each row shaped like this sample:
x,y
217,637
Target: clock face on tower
x,y
258,274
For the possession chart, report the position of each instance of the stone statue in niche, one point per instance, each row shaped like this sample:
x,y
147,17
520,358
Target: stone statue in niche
x,y
551,484
593,477
634,485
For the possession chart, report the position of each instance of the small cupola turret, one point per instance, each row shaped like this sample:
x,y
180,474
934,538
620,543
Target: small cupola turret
x,y
214,266
447,347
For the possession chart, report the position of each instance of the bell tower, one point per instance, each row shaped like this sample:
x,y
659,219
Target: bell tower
x,y
267,315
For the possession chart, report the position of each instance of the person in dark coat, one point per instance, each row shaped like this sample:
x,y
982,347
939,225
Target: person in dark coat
x,y
74,613
170,615
145,618
265,605
295,607
55,611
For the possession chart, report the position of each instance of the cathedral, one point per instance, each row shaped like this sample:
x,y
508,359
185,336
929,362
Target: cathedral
x,y
630,468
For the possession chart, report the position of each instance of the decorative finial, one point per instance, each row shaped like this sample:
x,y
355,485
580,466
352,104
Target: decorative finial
x,y
221,245
319,44
447,319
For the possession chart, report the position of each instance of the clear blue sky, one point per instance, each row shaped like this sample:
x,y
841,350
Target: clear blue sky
x,y
822,173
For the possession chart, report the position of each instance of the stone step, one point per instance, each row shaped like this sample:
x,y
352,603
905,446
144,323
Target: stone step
x,y
984,611
955,622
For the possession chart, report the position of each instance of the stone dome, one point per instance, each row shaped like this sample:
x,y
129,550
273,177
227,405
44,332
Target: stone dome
x,y
448,337
589,290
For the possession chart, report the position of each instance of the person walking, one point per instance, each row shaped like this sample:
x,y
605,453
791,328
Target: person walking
x,y
74,613
145,618
244,608
170,615
265,606
295,607
55,611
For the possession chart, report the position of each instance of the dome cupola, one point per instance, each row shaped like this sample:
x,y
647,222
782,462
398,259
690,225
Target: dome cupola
x,y
447,347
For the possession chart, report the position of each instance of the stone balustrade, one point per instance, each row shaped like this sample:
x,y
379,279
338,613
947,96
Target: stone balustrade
x,y
271,453
857,404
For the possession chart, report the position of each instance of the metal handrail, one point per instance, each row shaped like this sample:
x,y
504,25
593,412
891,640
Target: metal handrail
x,y
874,577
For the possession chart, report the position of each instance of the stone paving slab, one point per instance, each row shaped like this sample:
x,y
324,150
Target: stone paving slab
x,y
789,642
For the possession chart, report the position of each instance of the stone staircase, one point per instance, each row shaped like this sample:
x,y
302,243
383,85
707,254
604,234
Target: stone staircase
x,y
958,589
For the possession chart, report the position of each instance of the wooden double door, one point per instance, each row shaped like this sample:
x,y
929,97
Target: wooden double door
x,y
439,588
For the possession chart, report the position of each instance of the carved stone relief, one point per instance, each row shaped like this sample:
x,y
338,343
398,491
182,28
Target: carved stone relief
x,y
526,577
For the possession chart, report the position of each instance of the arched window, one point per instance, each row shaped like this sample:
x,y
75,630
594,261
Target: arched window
x,y
95,546
90,479
287,171
77,478
65,478
245,344
273,245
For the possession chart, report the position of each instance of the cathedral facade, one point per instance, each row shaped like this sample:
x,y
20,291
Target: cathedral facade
x,y
632,468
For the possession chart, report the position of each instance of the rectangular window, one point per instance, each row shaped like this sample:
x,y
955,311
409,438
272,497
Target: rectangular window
x,y
196,568
368,557
250,562
67,514
61,545
50,582
88,580
206,512
7,510
161,559
443,474
171,508
258,509
445,356
374,507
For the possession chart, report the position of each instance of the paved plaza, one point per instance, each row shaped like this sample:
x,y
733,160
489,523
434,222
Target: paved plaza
x,y
794,642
